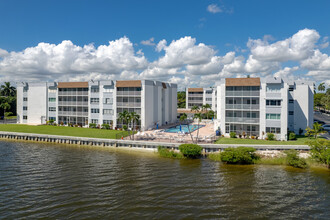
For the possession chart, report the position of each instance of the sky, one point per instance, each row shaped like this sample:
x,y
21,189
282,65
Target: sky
x,y
191,43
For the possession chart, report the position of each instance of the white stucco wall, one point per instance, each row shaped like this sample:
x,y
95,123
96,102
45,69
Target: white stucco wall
x,y
37,103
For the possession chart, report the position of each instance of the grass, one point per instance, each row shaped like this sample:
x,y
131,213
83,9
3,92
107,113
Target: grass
x,y
11,117
301,140
60,130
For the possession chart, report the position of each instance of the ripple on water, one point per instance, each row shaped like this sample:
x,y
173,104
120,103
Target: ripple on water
x,y
56,181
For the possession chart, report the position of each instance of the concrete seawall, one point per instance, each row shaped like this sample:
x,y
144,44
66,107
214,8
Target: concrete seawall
x,y
207,148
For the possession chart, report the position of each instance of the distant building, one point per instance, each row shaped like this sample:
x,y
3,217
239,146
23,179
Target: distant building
x,y
257,107
201,96
98,102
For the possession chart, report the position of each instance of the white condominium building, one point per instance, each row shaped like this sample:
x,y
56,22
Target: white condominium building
x,y
201,96
98,102
257,107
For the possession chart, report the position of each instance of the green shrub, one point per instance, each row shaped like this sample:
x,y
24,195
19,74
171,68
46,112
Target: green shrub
x,y
270,136
92,125
239,155
190,150
164,152
292,136
125,127
105,126
294,160
232,134
320,151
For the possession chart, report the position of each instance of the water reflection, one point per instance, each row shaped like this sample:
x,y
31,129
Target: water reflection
x,y
56,181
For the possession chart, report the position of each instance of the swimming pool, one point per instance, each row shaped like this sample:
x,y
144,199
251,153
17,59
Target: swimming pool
x,y
183,128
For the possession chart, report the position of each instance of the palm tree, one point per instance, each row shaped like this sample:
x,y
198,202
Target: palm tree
x,y
198,116
206,107
5,106
134,118
8,90
195,109
184,117
317,129
321,87
125,117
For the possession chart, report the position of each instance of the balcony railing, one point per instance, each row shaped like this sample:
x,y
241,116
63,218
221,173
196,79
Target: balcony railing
x,y
73,93
129,104
243,106
129,93
195,95
243,93
72,113
242,120
75,103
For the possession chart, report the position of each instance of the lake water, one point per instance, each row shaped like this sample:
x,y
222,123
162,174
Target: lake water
x,y
58,181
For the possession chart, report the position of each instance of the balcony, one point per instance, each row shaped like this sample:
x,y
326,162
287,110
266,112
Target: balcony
x,y
73,93
242,106
243,93
72,113
129,104
72,103
128,93
195,95
243,120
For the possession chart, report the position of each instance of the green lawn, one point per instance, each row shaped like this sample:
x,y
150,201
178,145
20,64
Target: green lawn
x,y
12,117
300,141
60,130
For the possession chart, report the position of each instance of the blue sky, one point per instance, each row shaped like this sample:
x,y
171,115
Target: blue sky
x,y
221,26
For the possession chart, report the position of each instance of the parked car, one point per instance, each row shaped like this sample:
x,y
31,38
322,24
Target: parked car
x,y
326,127
318,121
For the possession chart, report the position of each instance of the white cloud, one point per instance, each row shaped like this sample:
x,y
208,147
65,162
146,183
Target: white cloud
x,y
149,42
319,61
298,47
3,53
286,73
161,45
185,51
213,8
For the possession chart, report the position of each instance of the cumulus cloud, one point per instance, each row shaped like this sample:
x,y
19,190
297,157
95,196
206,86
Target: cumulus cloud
x,y
183,61
149,42
298,47
213,8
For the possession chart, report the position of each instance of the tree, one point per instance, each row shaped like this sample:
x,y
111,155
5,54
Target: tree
x,y
320,151
8,90
125,117
181,99
5,106
317,129
326,102
206,107
318,100
195,108
198,116
321,87
309,132
135,118
184,117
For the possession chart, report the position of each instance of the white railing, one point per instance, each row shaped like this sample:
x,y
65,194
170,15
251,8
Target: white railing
x,y
242,120
129,104
242,93
243,106
73,93
64,103
72,113
129,93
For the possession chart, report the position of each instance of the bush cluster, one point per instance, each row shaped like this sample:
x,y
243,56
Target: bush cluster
x,y
320,151
232,134
239,155
92,125
294,160
105,126
292,136
190,150
164,152
270,136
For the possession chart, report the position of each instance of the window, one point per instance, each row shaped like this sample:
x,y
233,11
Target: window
x,y
95,110
208,99
273,116
273,102
273,88
95,121
52,109
107,101
52,118
24,108
51,90
107,122
273,130
290,112
290,89
24,117
107,89
95,100
52,99
107,112
25,99
208,92
290,100
95,89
